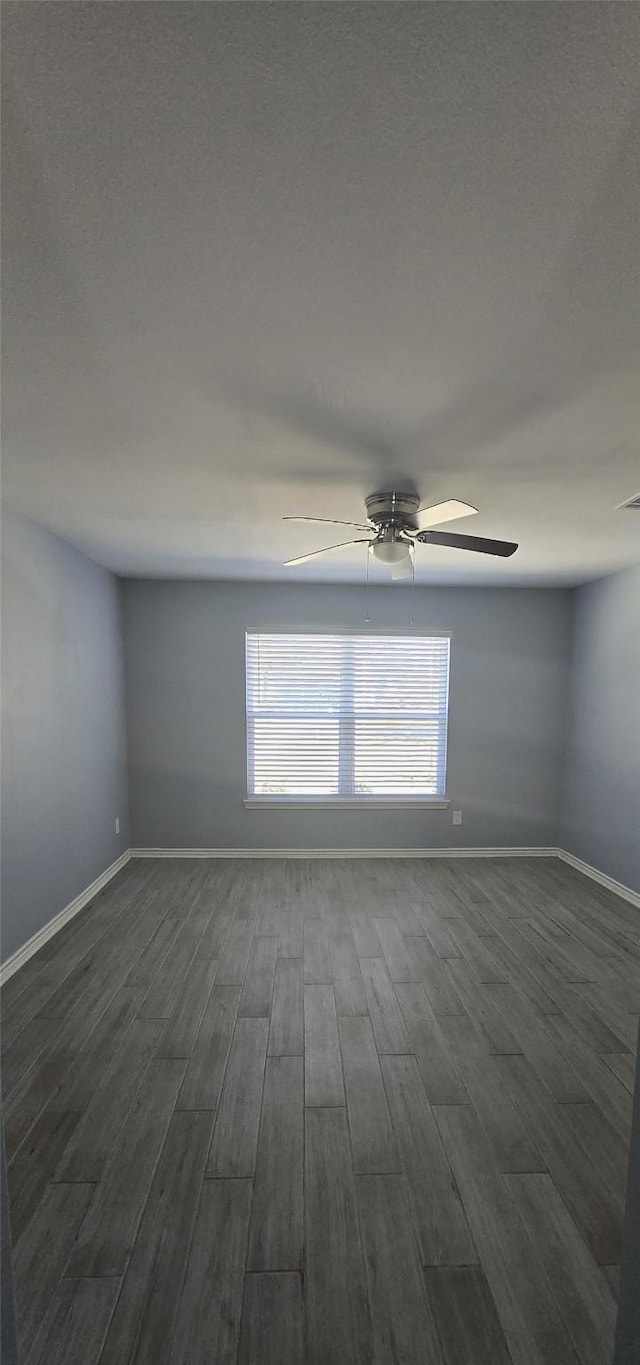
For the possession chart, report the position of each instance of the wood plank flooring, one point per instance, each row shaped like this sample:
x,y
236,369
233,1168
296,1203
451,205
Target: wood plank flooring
x,y
325,1111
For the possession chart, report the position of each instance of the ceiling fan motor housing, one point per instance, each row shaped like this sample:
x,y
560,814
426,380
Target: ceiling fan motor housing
x,y
391,513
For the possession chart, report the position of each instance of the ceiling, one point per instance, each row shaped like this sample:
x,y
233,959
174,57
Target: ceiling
x,y
262,259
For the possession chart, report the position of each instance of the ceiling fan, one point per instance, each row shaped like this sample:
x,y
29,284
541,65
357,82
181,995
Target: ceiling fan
x,y
397,523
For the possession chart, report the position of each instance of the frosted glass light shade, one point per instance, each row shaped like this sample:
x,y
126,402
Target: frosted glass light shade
x,y
391,551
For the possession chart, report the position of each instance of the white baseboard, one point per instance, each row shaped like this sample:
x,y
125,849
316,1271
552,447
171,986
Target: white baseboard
x,y
343,852
618,888
48,930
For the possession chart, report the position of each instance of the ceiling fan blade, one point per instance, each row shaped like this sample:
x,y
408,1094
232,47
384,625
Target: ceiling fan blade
x,y
330,521
301,559
484,546
444,511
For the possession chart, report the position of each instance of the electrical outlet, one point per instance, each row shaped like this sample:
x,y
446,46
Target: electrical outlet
x,y
457,817
117,824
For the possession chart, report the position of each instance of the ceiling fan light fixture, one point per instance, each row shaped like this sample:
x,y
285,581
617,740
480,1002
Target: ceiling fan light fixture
x,y
394,526
391,551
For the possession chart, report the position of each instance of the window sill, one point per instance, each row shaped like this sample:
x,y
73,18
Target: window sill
x,y
350,802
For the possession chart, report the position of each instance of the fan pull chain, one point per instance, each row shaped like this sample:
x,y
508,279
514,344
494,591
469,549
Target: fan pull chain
x,y
412,557
366,591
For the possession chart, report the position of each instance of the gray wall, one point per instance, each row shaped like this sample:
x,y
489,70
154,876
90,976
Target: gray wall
x,y
601,800
63,726
186,713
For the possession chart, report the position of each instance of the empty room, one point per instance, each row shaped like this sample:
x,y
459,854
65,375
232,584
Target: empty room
x,y
320,930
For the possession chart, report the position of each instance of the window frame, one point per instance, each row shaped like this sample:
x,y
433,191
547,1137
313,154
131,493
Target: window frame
x,y
329,802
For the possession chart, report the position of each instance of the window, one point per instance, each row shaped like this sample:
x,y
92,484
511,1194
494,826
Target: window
x,y
348,716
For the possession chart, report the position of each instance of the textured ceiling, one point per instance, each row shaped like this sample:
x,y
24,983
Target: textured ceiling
x,y
265,258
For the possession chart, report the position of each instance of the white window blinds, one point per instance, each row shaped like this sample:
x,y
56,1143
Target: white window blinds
x,y
347,715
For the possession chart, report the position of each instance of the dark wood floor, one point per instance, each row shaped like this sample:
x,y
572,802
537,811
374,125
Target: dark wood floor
x,y
324,1111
